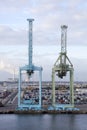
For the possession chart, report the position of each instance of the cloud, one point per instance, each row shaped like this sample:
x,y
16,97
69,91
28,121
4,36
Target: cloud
x,y
13,5
11,36
4,75
2,66
49,15
80,73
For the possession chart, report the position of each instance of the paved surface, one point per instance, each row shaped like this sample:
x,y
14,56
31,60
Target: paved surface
x,y
82,107
11,106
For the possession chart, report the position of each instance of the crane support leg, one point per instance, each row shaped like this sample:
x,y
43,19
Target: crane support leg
x,y
53,87
71,88
19,89
40,84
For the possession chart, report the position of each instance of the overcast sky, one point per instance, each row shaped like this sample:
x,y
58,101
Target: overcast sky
x,y
49,15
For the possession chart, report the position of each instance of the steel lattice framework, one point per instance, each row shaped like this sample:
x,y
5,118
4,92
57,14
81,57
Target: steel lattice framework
x,y
30,68
61,67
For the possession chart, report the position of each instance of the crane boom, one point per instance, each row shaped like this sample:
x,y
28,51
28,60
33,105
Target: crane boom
x,y
30,42
30,71
63,38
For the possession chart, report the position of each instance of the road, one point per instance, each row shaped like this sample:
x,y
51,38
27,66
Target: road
x,y
11,104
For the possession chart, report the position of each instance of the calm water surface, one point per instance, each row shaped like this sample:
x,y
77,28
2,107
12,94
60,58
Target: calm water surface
x,y
43,122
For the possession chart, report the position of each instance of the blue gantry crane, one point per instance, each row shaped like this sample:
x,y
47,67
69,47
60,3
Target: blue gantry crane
x,y
60,68
29,69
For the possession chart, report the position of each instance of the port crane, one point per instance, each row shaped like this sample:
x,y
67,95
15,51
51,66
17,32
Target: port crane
x,y
29,69
60,68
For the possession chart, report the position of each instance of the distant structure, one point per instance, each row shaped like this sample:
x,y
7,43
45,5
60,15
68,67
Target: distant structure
x,y
60,68
30,68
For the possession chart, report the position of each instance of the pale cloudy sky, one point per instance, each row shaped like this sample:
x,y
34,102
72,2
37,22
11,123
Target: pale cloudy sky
x,y
49,15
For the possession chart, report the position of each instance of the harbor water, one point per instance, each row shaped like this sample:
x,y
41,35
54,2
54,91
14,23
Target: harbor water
x,y
43,122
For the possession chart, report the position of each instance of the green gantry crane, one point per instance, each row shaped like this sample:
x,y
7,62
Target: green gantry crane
x,y
60,68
